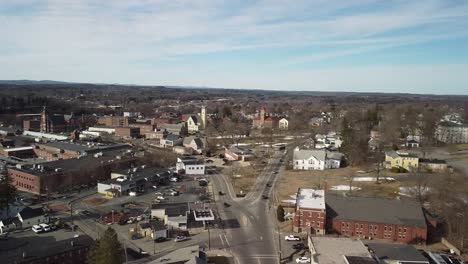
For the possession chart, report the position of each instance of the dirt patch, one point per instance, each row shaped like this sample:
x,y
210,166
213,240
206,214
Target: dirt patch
x,y
243,178
95,201
292,180
59,208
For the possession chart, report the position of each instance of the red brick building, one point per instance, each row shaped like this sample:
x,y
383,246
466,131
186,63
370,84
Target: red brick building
x,y
62,174
127,132
117,121
399,220
310,212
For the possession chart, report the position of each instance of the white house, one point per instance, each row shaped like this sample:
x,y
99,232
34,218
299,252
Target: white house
x,y
192,124
283,123
190,165
316,159
196,144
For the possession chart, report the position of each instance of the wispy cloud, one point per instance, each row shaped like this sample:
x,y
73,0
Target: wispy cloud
x,y
59,34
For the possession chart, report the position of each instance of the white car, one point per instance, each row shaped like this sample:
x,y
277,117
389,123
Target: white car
x,y
292,238
45,227
174,179
180,238
132,193
36,229
161,198
303,260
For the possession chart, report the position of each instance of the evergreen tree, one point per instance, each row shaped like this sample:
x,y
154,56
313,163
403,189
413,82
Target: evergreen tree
x,y
280,213
7,190
106,250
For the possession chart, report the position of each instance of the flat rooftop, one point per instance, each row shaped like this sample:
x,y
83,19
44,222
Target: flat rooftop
x,y
331,250
310,198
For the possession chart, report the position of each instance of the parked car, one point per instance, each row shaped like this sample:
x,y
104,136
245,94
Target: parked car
x,y
45,227
174,179
156,201
36,229
180,238
292,238
155,187
226,205
140,217
299,246
160,239
220,193
209,161
132,193
303,260
158,193
268,185
160,197
173,193
264,197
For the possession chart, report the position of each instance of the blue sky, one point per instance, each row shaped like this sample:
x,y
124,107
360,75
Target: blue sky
x,y
322,45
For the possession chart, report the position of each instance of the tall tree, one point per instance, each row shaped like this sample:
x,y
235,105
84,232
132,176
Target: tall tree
x,y
106,250
7,190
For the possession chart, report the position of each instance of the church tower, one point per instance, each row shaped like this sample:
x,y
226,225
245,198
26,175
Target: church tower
x,y
203,117
262,116
44,120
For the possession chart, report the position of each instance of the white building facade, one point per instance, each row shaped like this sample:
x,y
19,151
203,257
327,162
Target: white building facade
x,y
316,159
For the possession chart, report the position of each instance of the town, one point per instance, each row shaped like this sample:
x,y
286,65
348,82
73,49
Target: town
x,y
168,175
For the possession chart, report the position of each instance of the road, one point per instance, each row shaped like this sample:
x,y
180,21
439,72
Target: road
x,y
250,232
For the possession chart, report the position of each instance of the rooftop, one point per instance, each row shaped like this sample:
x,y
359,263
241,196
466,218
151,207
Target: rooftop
x,y
399,252
330,250
397,211
182,255
359,260
310,198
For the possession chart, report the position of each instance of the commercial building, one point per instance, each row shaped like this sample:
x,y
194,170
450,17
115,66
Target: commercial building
x,y
59,175
238,153
127,132
113,121
399,220
450,132
332,250
396,254
310,211
190,166
55,150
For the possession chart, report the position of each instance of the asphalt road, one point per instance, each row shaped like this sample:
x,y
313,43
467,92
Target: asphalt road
x,y
249,233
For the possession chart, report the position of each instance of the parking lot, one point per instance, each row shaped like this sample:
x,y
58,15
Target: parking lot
x,y
291,250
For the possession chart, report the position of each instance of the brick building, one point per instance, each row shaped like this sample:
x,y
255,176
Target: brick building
x,y
127,132
56,150
118,121
399,220
59,175
310,211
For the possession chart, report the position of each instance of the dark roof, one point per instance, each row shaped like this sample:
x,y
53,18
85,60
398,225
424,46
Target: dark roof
x,y
29,212
360,260
57,120
67,146
153,224
193,162
399,252
432,161
172,137
172,209
375,210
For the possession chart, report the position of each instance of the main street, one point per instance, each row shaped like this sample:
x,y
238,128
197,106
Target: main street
x,y
250,233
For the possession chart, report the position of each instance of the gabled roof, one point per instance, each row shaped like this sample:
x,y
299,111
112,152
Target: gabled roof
x,y
194,119
306,154
29,212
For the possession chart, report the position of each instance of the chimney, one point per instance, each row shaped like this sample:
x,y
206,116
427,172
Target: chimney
x,y
325,186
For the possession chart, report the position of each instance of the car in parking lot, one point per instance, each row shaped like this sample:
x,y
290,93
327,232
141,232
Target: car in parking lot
x,y
160,239
226,205
36,229
209,161
174,179
268,185
45,227
160,197
292,238
303,260
264,197
180,238
299,246
220,193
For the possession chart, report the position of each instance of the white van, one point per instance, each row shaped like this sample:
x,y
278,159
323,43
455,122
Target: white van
x,y
45,227
36,229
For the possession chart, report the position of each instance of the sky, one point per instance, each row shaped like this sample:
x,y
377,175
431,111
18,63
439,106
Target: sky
x,y
408,46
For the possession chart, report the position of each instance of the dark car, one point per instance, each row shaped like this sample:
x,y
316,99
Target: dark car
x,y
299,246
160,239
226,205
209,161
268,185
220,193
264,197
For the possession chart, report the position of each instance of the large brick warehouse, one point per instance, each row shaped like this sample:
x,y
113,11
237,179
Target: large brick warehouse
x,y
399,220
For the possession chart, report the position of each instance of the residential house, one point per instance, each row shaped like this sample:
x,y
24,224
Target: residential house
x,y
283,124
396,253
413,141
171,140
152,229
316,159
264,121
238,153
433,165
330,141
399,159
24,219
196,144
